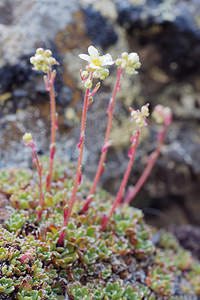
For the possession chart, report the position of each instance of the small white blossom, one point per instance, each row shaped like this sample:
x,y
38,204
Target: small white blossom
x,y
124,55
43,60
129,62
162,115
139,116
27,138
96,62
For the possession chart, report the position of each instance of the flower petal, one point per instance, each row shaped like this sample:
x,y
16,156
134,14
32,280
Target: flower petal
x,y
84,56
107,60
93,51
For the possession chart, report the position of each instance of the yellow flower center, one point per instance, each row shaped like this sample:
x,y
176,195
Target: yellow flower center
x,y
96,61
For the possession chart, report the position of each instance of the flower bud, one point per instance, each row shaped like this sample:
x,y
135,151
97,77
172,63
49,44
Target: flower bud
x,y
84,74
129,62
46,69
42,60
32,60
38,67
40,51
124,55
27,138
104,73
52,61
145,110
47,53
96,74
118,62
133,58
140,116
88,84
162,115
39,59
140,122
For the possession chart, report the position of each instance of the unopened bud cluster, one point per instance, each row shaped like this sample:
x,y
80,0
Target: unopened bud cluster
x,y
129,62
101,74
43,60
139,116
98,74
162,115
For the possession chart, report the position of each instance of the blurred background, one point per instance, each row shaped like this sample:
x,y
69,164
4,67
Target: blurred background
x,y
166,35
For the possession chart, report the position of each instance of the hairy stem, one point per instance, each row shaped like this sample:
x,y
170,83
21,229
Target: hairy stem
x,y
120,193
106,141
39,170
150,164
77,180
53,129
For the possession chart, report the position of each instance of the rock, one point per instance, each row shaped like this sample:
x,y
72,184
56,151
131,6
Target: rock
x,y
98,29
155,23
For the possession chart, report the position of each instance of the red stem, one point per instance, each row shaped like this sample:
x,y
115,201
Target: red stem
x,y
39,170
124,181
106,140
53,129
78,170
150,164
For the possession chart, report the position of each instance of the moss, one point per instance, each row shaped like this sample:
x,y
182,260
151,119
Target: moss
x,y
119,263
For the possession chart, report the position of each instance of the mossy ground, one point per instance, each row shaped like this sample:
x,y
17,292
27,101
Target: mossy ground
x,y
130,260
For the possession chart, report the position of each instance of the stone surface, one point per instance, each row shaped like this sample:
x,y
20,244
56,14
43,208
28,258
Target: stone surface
x,y
165,33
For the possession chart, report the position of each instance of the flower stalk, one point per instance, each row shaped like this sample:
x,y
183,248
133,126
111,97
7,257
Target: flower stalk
x,y
94,69
107,142
140,119
128,63
162,115
28,141
118,199
43,61
50,81
77,181
150,164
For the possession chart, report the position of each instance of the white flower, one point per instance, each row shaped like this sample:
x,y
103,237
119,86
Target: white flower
x,y
129,62
162,114
43,60
27,138
96,62
139,116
